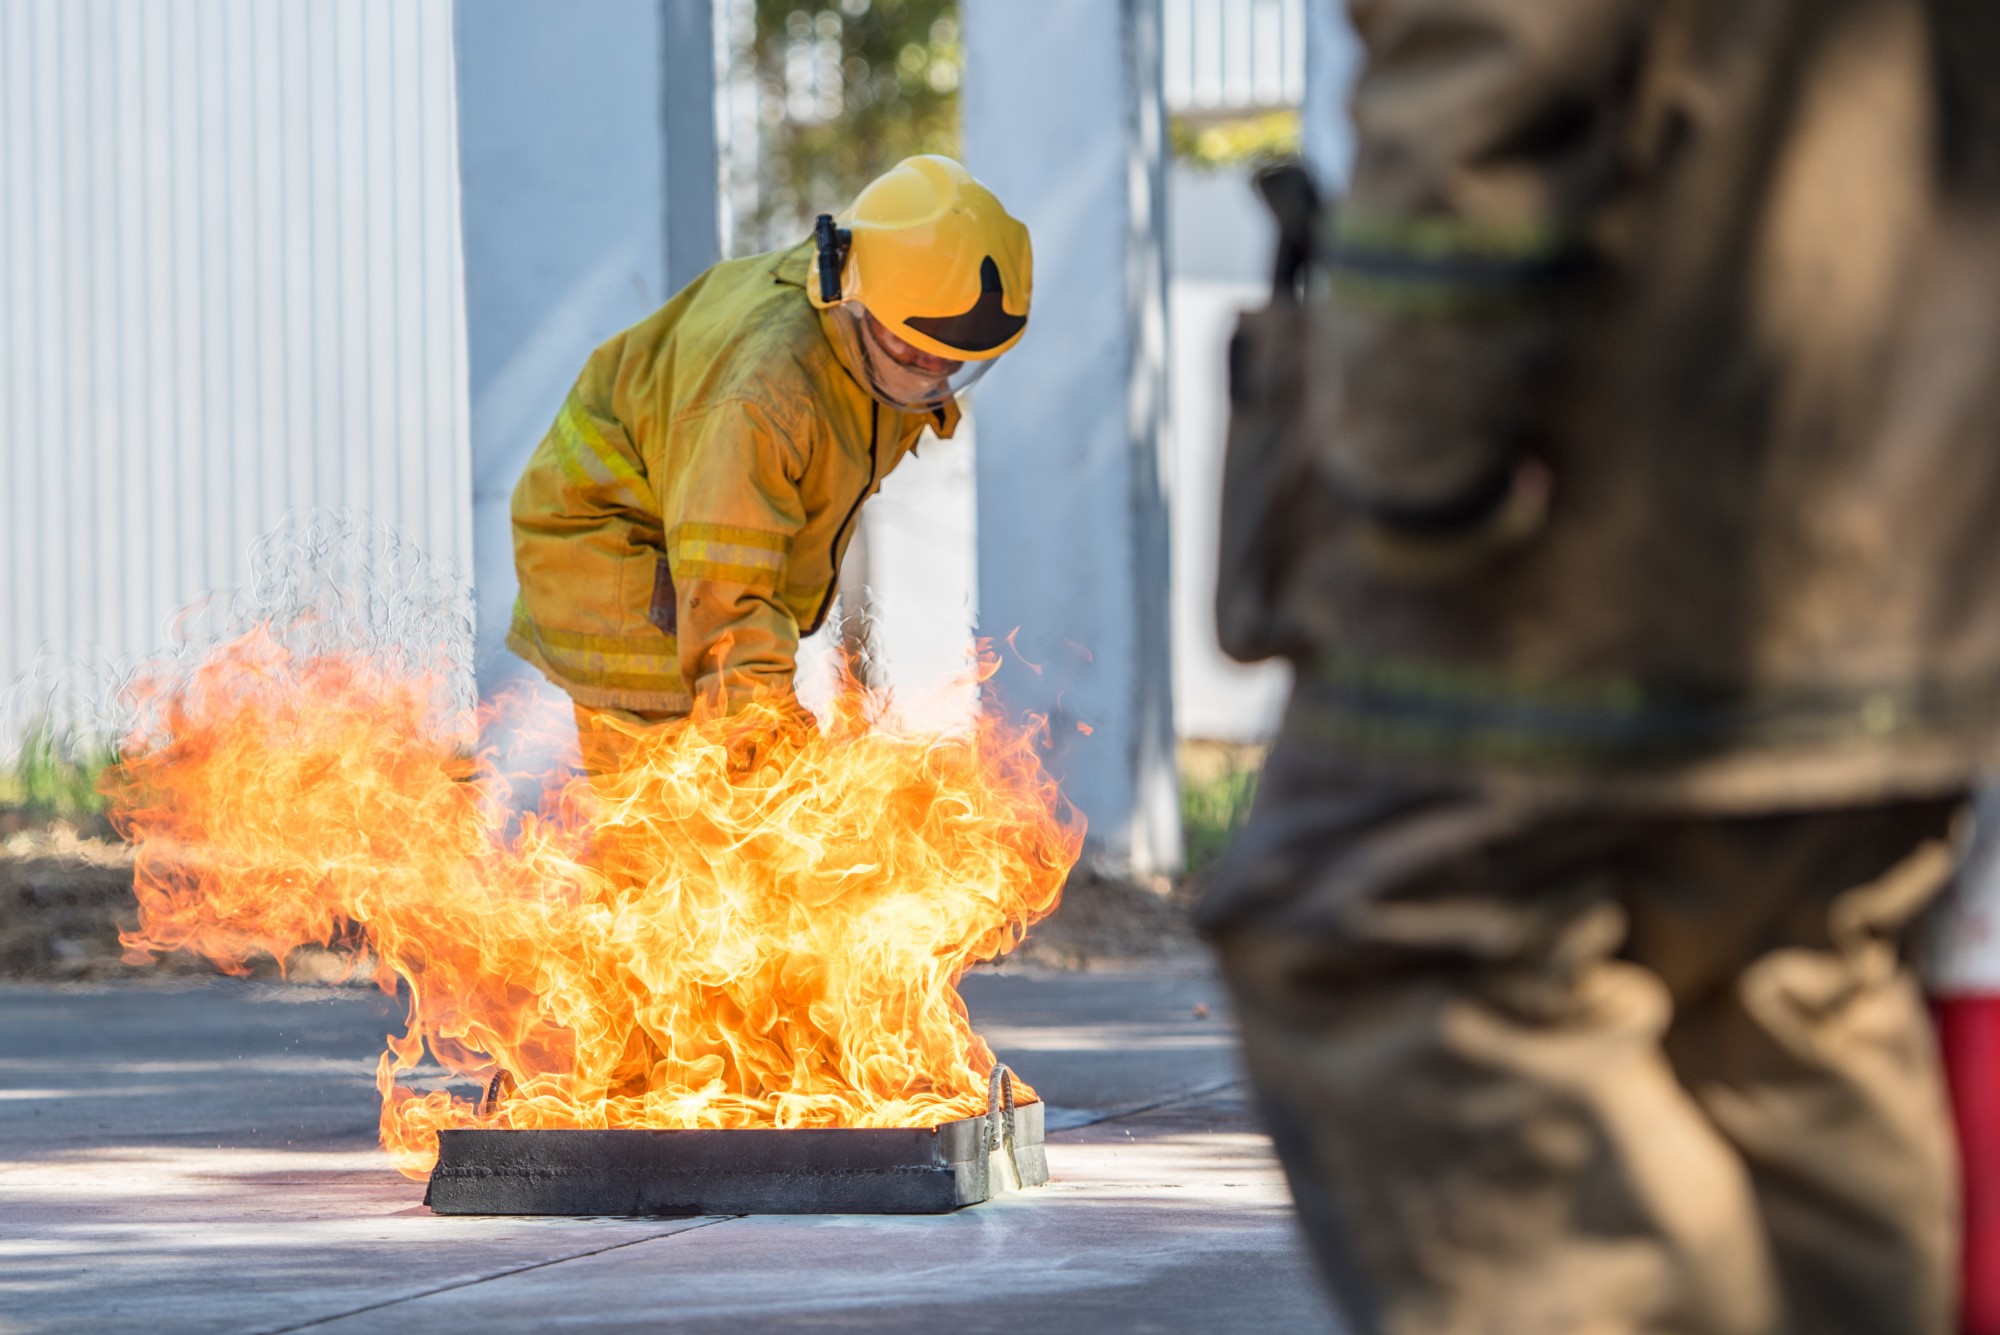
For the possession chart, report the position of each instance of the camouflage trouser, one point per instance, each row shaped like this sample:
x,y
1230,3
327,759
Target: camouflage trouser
x,y
1534,1072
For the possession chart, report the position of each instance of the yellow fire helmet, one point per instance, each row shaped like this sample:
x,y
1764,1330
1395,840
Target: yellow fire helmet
x,y
941,267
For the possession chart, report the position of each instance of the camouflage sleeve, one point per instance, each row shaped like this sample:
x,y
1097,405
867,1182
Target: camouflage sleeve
x,y
1488,132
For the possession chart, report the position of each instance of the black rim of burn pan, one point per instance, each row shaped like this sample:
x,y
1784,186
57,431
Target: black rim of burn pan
x,y
861,1170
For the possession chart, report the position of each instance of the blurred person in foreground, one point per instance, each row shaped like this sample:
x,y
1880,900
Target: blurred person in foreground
x,y
1624,486
683,522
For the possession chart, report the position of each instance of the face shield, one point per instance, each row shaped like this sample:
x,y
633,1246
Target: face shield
x,y
902,376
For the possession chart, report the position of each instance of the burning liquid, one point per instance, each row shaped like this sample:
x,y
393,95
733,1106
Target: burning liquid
x,y
749,924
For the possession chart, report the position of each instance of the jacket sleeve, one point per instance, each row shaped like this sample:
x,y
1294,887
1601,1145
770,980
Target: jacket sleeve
x,y
735,512
1488,134
587,538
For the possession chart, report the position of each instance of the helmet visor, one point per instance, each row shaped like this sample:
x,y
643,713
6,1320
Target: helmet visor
x,y
894,372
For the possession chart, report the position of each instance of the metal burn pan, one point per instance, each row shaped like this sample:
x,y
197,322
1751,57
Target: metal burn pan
x,y
915,1170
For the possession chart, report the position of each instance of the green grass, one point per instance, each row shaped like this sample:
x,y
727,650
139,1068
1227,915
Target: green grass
x,y
1217,784
55,776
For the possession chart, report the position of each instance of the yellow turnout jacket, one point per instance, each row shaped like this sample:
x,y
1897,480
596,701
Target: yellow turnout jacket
x,y
683,522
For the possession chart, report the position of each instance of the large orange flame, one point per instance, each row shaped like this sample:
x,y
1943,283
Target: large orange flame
x,y
715,935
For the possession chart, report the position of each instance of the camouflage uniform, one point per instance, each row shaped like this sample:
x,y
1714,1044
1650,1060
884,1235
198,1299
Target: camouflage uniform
x,y
1622,490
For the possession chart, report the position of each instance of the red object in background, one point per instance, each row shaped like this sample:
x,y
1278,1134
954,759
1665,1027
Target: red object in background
x,y
1962,974
1969,1035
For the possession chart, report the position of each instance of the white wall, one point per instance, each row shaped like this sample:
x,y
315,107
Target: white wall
x,y
230,285
923,579
1222,239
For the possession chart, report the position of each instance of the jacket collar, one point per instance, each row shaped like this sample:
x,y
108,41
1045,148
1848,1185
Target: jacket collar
x,y
791,267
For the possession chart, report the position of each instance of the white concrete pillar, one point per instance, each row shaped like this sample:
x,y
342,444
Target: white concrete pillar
x,y
1063,118
694,180
588,163
1333,60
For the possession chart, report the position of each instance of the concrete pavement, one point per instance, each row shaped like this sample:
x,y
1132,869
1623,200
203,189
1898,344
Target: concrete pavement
x,y
201,1156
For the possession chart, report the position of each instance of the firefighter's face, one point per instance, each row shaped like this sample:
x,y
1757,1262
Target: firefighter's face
x,y
914,358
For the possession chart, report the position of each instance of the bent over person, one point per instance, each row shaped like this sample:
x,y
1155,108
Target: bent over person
x,y
683,522
1625,490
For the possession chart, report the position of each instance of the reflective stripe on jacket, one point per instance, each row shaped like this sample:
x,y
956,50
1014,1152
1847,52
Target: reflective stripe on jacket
x,y
683,522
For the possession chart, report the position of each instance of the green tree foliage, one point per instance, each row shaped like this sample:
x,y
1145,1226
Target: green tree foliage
x,y
1237,142
845,90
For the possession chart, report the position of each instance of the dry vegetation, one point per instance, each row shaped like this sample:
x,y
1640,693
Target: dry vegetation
x,y
64,896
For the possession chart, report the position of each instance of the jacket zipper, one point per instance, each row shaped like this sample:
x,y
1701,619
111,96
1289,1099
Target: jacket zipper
x,y
833,584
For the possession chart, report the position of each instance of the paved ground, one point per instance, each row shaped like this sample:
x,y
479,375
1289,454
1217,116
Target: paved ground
x,y
202,1156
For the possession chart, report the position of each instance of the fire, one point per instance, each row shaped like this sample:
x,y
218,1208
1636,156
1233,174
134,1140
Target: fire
x,y
750,923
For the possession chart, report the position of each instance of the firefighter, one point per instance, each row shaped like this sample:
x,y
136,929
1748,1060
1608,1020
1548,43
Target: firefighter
x,y
1620,480
682,523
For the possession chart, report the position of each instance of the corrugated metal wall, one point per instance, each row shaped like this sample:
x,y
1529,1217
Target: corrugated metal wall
x,y
1228,57
231,285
